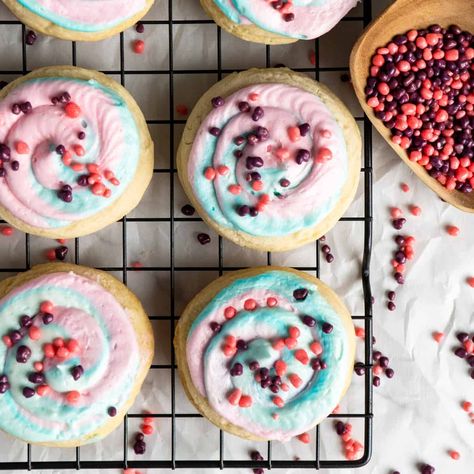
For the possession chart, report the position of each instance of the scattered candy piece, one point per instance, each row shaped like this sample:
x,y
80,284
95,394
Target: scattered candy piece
x,y
438,336
138,46
304,438
454,455
452,230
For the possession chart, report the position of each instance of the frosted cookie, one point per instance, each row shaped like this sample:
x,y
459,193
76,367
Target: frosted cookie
x,y
79,20
277,22
76,346
270,159
265,353
75,152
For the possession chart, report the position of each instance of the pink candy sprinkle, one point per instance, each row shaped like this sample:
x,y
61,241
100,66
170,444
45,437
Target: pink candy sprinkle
x,y
271,302
396,213
294,332
46,307
250,304
278,401
245,401
235,189
302,356
452,230
6,230
38,366
316,348
294,134
223,170
326,133
438,336
253,96
34,333
304,438
405,188
282,153
210,173
295,380
415,210
454,455
290,342
230,312
280,367
234,397
278,345
7,341
323,155
22,148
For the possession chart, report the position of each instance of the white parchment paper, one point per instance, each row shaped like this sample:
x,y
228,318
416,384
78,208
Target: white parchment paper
x,y
417,414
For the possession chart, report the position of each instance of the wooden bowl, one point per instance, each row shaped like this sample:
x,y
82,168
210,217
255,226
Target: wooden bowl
x,y
399,18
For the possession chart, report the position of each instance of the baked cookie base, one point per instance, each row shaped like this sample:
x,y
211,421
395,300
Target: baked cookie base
x,y
48,28
138,318
246,32
203,298
137,187
237,81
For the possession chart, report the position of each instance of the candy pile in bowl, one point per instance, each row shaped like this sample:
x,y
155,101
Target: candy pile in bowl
x,y
421,85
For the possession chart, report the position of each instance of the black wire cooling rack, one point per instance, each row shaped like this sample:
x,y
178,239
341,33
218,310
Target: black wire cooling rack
x,y
174,415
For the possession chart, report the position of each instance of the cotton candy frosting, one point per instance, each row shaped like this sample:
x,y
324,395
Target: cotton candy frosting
x,y
85,15
108,352
310,18
111,142
314,187
209,367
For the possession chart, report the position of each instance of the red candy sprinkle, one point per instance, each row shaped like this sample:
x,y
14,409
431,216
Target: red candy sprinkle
x,y
147,429
73,397
72,346
294,134
360,332
62,353
452,230
278,345
34,333
48,350
235,189
182,110
38,366
324,154
234,397
290,342
46,307
271,302
210,173
250,304
245,401
79,150
7,341
72,110
304,438
42,390
470,281
230,312
22,148
278,401
405,188
454,455
466,406
302,356
223,170
6,230
415,210
294,332
295,380
138,46
438,336
280,367
316,348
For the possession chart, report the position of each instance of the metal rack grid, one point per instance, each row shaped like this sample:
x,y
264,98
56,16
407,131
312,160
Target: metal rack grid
x,y
221,463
